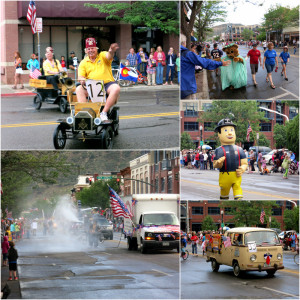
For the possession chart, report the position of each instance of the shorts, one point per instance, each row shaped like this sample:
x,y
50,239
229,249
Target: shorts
x,y
107,85
254,68
269,68
4,256
12,266
284,63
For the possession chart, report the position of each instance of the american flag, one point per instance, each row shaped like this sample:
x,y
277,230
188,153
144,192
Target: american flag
x,y
227,242
173,236
248,132
159,238
119,208
262,216
34,73
31,16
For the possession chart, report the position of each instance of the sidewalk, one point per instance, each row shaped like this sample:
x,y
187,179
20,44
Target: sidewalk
x,y
8,91
14,285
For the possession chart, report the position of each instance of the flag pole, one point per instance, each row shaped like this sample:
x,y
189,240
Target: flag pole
x,y
39,48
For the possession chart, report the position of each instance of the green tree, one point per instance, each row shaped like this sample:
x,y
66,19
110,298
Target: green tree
x,y
23,171
247,34
161,15
186,141
188,12
208,224
274,223
97,194
292,135
279,17
263,141
280,136
240,112
248,213
210,13
291,219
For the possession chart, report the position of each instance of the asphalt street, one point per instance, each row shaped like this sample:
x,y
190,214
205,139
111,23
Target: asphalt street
x,y
54,267
204,185
149,119
285,90
198,281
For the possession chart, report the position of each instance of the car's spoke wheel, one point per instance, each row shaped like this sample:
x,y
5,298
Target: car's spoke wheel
x,y
107,138
59,137
63,105
37,102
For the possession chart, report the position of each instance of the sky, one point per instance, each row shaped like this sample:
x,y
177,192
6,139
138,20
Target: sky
x,y
249,14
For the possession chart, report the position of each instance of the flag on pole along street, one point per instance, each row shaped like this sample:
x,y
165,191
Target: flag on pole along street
x,y
31,16
248,132
262,216
127,74
119,208
34,73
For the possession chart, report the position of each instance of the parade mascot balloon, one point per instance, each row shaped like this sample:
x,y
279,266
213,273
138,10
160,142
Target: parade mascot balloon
x,y
233,76
230,159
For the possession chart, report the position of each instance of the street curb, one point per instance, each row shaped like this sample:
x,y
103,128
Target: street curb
x,y
17,94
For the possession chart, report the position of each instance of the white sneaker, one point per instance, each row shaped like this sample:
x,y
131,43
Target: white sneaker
x,y
104,118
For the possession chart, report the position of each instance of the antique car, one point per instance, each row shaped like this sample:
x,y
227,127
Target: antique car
x,y
84,122
46,93
245,249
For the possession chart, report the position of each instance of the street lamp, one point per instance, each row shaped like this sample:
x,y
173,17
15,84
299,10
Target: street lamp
x,y
222,213
274,111
200,129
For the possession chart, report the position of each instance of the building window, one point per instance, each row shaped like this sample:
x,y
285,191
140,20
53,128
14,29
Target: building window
x,y
206,106
191,109
265,126
142,186
197,210
276,211
146,185
191,126
292,113
213,210
162,184
208,126
196,227
289,205
156,185
133,185
170,187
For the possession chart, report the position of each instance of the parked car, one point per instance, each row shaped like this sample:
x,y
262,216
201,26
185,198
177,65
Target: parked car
x,y
269,155
264,150
277,230
281,235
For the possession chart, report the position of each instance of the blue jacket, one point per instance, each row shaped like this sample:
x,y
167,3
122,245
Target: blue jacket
x,y
139,57
173,56
188,62
31,63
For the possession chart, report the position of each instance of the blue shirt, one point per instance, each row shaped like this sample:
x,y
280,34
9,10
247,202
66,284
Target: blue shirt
x,y
139,57
189,60
284,56
270,55
132,58
34,63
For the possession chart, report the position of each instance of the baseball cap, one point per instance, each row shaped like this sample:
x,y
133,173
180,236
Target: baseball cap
x,y
72,52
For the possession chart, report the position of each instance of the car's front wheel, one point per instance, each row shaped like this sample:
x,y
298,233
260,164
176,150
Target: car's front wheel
x,y
59,137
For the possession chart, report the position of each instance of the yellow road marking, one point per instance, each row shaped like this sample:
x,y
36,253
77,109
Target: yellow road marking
x,y
176,113
245,191
289,271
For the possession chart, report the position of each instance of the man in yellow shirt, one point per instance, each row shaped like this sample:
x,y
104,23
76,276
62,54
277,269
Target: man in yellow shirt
x,y
97,66
52,67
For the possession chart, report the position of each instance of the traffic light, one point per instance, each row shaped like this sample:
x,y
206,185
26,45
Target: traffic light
x,y
90,180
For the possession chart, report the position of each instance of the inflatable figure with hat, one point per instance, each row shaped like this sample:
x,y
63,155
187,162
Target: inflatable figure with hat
x,y
230,160
235,75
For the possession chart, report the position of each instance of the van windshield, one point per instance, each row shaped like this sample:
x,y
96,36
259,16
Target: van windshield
x,y
262,237
160,219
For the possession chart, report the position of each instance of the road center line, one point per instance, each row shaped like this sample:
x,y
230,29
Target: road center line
x,y
162,272
289,271
289,92
107,253
176,113
280,292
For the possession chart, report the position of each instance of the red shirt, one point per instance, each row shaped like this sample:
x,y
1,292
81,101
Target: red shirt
x,y
254,56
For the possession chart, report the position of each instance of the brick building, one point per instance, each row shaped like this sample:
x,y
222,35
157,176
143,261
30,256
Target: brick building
x,y
66,25
192,218
190,110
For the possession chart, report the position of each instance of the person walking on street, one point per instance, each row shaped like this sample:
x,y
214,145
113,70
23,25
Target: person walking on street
x,y
285,58
270,59
195,241
252,160
255,56
259,162
286,164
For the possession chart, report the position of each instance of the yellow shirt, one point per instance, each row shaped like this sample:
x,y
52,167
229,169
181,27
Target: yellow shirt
x,y
47,66
100,69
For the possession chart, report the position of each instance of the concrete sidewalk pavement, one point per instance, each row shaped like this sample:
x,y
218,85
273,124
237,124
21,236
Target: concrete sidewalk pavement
x,y
14,285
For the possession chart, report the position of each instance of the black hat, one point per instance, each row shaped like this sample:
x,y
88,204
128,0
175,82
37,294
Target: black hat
x,y
72,52
223,123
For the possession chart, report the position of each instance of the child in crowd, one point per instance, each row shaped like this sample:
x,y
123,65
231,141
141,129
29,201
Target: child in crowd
x,y
12,261
63,63
5,247
286,164
151,70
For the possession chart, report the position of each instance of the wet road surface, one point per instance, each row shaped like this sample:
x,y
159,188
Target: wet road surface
x,y
204,185
58,268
